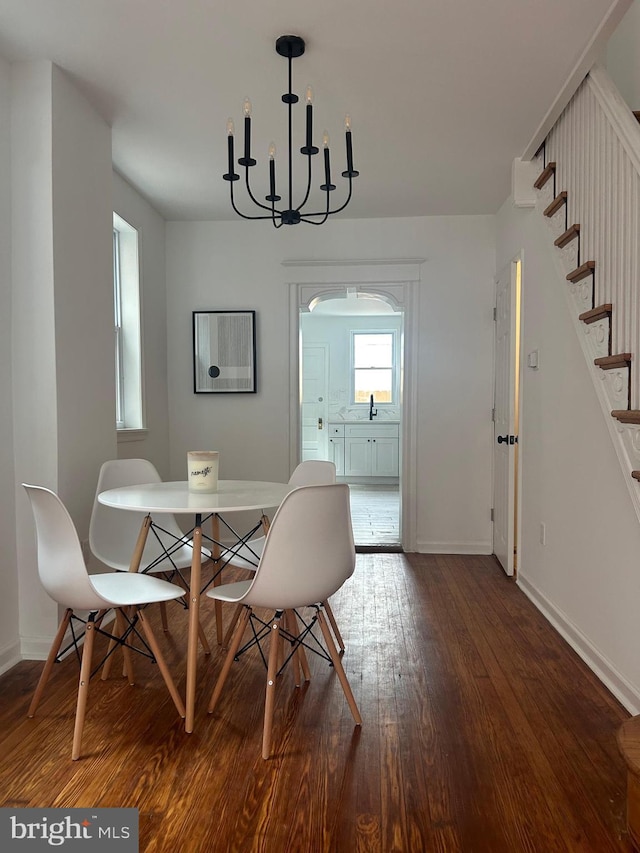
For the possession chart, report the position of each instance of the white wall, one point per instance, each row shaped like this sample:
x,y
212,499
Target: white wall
x,y
154,445
622,57
238,265
9,646
586,576
62,314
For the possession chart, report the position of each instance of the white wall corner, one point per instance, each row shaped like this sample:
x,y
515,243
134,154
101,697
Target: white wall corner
x,y
523,177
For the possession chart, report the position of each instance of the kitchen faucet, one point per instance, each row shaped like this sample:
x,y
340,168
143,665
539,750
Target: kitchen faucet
x,y
372,412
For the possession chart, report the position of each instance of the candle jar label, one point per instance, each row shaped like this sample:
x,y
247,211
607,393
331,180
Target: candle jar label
x,y
202,470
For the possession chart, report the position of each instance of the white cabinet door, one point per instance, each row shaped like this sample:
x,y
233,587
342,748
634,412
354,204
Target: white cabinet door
x,y
384,457
357,457
336,454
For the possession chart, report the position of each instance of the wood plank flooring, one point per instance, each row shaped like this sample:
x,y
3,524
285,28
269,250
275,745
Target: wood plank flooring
x,y
482,732
375,514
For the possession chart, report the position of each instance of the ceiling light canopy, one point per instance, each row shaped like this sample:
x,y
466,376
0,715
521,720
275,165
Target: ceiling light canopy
x,y
290,47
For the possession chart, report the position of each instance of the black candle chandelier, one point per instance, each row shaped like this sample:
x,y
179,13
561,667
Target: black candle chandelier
x,y
290,47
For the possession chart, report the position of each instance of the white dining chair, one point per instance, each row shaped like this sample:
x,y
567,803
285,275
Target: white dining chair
x,y
308,554
113,533
311,472
87,598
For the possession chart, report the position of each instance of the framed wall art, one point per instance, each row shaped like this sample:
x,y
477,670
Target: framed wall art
x,y
224,352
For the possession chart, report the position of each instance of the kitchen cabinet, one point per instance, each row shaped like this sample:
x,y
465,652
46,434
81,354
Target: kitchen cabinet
x,y
365,449
336,447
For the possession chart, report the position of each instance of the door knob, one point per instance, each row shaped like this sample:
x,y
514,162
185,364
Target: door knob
x,y
503,439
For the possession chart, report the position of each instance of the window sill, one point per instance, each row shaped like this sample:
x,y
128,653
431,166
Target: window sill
x,y
131,434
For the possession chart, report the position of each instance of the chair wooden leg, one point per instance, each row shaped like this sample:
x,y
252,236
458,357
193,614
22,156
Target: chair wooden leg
x,y
162,666
53,653
206,648
290,624
337,663
163,616
233,648
272,668
232,625
334,625
126,651
83,686
300,650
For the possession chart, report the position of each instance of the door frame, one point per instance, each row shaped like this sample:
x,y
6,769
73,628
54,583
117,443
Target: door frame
x,y
397,282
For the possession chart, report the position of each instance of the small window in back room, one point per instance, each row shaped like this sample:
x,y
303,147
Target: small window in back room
x,y
128,344
374,367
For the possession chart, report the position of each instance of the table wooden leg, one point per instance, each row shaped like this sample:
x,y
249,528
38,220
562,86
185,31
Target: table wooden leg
x,y
136,557
217,580
194,623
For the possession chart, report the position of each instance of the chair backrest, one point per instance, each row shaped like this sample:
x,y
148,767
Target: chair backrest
x,y
113,532
61,566
309,551
313,472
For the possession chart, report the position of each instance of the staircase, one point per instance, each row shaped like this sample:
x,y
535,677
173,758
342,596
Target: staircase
x,y
588,192
593,153
601,314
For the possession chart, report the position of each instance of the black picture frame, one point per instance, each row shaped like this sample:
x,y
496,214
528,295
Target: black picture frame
x,y
224,352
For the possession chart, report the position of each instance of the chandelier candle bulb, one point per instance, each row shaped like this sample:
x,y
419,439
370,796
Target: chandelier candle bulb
x,y
202,471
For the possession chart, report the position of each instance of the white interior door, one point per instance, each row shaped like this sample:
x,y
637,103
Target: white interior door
x,y
505,436
315,407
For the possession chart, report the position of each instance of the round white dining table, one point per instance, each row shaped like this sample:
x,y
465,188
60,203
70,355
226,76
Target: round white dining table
x,y
174,497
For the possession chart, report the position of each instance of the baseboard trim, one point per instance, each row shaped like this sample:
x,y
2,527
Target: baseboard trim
x,y
9,657
624,692
470,548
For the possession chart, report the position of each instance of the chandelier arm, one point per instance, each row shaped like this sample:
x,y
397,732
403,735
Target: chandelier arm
x,y
252,197
274,212
324,215
243,215
337,209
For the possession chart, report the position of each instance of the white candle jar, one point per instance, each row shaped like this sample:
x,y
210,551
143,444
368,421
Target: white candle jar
x,y
202,470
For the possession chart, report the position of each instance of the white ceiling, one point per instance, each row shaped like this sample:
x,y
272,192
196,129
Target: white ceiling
x,y
442,94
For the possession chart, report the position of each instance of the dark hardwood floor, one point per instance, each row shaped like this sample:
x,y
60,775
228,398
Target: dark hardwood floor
x,y
482,731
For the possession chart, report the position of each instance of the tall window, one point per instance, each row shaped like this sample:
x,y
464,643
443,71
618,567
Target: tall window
x,y
126,302
374,366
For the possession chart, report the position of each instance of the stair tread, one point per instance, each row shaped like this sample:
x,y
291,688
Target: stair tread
x,y
582,271
595,314
556,204
608,362
627,416
569,235
544,176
